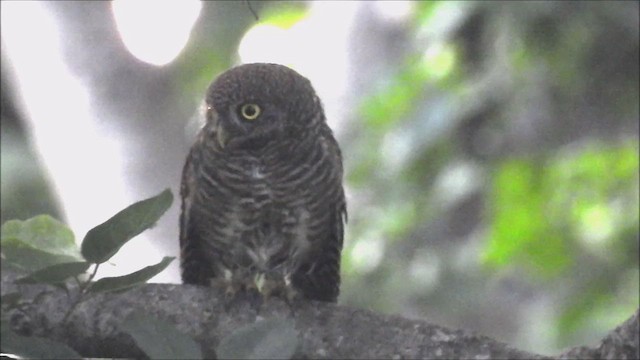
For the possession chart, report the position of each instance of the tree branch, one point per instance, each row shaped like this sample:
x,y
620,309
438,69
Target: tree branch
x,y
325,330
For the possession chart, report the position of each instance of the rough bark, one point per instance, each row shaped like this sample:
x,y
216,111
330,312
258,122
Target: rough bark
x,y
325,330
620,344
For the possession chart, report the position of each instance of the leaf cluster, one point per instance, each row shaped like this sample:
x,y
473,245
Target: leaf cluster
x,y
44,250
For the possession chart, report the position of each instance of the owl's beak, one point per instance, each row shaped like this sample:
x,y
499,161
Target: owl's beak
x,y
221,136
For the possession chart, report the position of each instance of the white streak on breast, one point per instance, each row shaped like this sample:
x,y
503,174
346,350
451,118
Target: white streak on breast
x,y
233,226
256,172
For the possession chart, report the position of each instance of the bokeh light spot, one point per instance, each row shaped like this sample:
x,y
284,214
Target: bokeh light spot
x,y
155,31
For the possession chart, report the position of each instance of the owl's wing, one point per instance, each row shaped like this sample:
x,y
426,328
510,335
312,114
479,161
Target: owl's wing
x,y
319,276
194,267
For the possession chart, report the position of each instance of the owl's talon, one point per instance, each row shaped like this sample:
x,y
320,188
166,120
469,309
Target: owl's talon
x,y
230,295
254,298
293,299
273,285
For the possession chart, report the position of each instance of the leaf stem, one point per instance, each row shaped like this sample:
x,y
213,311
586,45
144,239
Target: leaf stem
x,y
83,287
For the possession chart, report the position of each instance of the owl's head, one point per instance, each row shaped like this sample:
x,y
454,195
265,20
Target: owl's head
x,y
252,104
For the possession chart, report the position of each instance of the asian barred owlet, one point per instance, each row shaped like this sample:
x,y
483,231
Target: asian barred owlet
x,y
262,200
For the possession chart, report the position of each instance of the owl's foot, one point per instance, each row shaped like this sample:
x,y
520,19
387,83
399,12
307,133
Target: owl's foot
x,y
253,296
275,285
256,289
239,290
231,292
234,298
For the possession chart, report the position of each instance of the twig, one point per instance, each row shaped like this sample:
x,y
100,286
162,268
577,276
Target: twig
x,y
83,286
252,11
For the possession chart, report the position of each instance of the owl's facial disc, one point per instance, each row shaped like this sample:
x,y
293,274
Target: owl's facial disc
x,y
246,123
257,104
252,123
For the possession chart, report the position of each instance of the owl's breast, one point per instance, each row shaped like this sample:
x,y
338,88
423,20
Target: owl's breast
x,y
258,208
278,217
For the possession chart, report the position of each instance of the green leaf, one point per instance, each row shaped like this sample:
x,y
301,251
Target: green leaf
x,y
42,232
27,258
34,347
37,243
127,281
55,274
103,241
160,339
268,339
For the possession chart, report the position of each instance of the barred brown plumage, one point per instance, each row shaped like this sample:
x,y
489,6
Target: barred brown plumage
x,y
262,200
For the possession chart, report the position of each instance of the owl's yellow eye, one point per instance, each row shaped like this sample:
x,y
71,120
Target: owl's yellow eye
x,y
250,111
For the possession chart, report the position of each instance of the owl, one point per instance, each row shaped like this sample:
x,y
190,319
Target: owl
x,y
263,206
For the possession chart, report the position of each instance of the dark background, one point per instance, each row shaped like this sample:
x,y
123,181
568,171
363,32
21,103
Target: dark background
x,y
491,149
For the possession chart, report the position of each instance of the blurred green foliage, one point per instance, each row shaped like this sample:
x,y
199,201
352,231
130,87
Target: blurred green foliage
x,y
25,191
549,214
500,149
284,15
542,211
522,224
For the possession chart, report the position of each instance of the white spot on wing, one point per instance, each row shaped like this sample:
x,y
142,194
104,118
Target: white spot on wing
x,y
227,274
256,172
